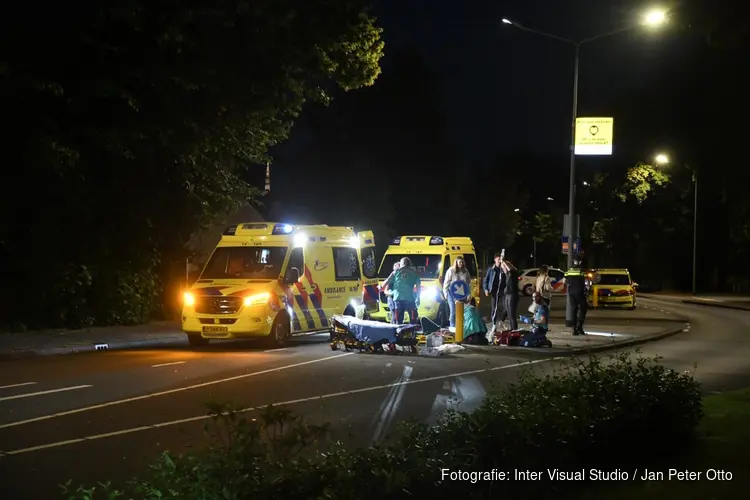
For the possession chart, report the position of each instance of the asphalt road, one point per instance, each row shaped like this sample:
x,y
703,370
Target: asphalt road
x,y
98,416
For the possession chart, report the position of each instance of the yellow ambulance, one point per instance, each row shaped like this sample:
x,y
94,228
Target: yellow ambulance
x,y
431,256
276,280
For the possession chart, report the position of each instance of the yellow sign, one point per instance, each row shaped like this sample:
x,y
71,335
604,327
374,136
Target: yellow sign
x,y
594,136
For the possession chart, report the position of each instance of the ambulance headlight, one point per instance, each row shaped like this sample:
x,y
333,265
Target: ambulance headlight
x,y
300,239
256,300
188,299
429,293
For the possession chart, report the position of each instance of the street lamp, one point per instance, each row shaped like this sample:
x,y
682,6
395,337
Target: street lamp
x,y
653,18
662,159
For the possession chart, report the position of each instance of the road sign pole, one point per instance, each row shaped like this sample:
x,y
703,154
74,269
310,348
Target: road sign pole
x,y
459,337
572,188
695,232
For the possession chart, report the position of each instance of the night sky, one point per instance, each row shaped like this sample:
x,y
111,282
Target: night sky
x,y
505,89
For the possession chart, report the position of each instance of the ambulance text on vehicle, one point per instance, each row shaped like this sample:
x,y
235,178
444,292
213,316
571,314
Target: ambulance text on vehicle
x,y
275,280
431,256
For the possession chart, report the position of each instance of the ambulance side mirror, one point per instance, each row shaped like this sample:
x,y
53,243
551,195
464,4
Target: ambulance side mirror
x,y
292,276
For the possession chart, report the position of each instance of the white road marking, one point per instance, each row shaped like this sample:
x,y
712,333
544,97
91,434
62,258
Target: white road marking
x,y
170,391
284,403
276,350
16,385
169,364
41,393
390,405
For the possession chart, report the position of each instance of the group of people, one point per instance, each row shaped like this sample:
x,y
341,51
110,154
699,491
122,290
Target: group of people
x,y
403,286
500,283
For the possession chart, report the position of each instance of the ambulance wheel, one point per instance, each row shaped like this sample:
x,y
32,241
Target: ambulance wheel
x,y
195,340
349,311
280,331
527,290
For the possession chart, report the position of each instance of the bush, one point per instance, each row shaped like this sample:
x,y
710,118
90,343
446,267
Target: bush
x,y
603,414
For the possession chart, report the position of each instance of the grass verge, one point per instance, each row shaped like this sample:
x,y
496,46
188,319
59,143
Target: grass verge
x,y
723,445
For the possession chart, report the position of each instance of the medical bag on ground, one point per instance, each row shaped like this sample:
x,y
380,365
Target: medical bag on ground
x,y
508,337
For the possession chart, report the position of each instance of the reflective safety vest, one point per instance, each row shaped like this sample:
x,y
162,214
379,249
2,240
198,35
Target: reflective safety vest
x,y
574,271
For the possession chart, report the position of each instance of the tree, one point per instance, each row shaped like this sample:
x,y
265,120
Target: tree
x,y
133,122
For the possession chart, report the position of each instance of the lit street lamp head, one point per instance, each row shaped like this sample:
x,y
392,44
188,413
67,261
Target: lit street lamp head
x,y
506,21
661,159
655,18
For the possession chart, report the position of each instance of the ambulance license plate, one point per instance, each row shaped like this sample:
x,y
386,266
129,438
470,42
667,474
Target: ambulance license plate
x,y
215,329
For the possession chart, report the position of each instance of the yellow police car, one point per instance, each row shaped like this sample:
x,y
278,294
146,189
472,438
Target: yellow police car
x,y
611,288
275,280
431,256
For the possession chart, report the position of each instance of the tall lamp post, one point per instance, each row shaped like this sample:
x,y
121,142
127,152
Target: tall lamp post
x,y
653,18
662,159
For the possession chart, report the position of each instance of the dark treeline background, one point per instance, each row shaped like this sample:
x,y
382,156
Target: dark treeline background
x,y
133,129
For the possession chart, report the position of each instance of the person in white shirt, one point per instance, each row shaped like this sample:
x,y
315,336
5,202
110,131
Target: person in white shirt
x,y
457,272
544,285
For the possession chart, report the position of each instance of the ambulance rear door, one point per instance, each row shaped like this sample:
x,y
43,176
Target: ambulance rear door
x,y
370,297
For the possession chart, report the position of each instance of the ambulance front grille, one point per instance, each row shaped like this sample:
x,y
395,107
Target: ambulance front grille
x,y
217,305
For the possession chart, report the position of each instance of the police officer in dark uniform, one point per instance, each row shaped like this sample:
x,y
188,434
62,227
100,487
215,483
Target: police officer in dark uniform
x,y
576,282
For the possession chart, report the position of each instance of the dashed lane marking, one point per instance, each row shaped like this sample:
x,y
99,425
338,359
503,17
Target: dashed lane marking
x,y
170,391
169,364
22,384
284,403
41,393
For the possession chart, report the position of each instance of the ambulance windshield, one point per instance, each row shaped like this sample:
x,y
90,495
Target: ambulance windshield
x,y
427,266
245,263
613,279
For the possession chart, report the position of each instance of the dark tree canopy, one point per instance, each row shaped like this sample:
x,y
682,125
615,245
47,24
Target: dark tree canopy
x,y
132,124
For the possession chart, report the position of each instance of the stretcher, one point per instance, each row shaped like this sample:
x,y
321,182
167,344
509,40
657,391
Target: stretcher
x,y
350,333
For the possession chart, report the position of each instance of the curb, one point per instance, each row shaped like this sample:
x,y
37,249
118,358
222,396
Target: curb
x,y
546,352
79,349
715,304
696,302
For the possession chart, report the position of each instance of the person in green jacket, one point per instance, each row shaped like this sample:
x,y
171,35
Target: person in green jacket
x,y
406,287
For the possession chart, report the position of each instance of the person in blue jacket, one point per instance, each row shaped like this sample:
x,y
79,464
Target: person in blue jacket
x,y
494,286
406,287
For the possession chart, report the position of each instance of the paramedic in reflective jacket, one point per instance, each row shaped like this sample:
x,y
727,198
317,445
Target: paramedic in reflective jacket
x,y
576,282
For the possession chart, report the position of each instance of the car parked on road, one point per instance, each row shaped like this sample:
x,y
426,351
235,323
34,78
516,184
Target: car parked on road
x,y
613,288
527,280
